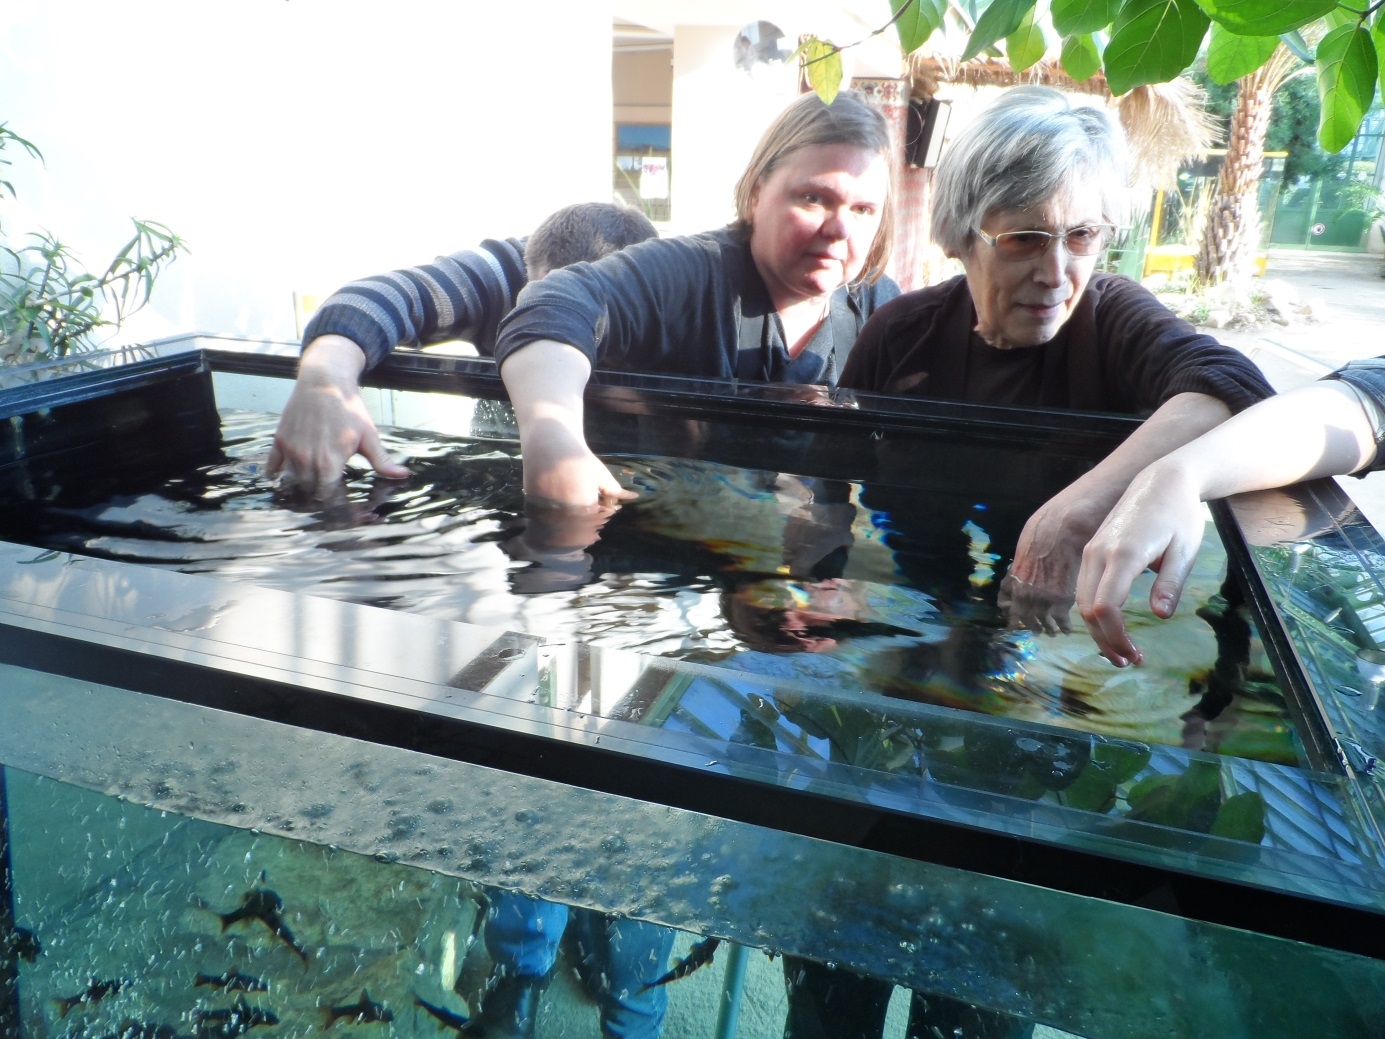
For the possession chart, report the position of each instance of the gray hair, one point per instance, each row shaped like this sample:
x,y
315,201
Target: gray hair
x,y
1031,146
584,231
807,121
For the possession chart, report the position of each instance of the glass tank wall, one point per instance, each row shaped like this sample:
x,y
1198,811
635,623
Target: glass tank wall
x,y
771,704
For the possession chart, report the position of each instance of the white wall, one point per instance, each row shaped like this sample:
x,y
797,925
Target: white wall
x,y
296,144
719,113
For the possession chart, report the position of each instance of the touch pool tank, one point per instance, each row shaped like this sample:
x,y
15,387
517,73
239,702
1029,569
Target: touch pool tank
x,y
277,765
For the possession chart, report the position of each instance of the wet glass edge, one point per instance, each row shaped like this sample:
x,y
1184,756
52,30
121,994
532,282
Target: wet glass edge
x,y
1353,545
157,616
1050,824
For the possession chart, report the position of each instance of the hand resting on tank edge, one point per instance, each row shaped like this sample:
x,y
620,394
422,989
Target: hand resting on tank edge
x,y
1317,430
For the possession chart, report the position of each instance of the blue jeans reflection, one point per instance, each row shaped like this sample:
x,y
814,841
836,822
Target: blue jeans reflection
x,y
617,959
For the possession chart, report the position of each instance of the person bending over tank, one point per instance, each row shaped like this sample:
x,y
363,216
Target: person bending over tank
x,y
1330,428
778,296
462,296
1027,198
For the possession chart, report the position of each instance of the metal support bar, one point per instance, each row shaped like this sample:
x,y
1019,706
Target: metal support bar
x,y
731,991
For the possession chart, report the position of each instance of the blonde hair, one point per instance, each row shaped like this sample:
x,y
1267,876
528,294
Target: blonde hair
x,y
808,122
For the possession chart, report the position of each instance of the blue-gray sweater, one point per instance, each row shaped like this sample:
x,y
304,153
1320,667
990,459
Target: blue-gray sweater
x,y
693,306
462,296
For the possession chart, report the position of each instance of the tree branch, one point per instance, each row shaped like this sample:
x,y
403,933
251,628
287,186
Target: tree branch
x,y
897,16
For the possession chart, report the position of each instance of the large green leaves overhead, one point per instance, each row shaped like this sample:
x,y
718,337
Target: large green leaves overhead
x,y
1347,69
1071,17
916,24
999,20
1153,41
1266,17
1378,34
1025,46
1081,58
1229,57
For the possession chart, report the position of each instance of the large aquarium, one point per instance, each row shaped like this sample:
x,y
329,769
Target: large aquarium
x,y
756,754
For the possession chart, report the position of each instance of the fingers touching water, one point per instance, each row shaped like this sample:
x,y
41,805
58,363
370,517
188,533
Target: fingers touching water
x,y
1157,524
325,421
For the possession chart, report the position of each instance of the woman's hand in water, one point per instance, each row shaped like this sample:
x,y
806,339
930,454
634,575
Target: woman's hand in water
x,y
560,470
1159,523
1040,587
545,380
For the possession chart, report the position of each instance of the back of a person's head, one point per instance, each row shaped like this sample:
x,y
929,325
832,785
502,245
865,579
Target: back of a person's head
x,y
584,231
1028,148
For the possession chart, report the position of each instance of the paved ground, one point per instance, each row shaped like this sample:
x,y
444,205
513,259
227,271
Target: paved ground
x,y
1347,291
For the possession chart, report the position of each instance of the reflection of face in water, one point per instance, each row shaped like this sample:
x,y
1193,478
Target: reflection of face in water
x,y
788,616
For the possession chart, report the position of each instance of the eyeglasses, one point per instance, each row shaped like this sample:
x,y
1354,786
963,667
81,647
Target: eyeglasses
x,y
1086,240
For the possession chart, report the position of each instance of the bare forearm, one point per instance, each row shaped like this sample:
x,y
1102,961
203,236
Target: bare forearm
x,y
545,380
1318,430
331,360
1314,431
1179,421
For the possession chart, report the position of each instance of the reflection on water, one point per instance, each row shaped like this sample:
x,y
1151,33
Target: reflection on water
x,y
874,589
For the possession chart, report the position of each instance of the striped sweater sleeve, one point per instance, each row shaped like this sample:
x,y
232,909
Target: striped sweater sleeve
x,y
461,296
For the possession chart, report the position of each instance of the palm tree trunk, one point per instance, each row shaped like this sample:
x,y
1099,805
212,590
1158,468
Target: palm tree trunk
x,y
1231,235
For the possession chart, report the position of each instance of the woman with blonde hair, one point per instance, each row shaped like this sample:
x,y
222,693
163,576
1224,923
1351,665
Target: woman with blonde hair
x,y
779,295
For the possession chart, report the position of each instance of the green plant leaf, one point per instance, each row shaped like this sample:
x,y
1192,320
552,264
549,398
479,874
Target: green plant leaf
x,y
1229,57
1153,41
822,62
1150,797
7,135
1072,17
1026,46
1339,16
1189,801
1080,57
1094,791
1242,818
1347,68
918,23
998,21
1122,761
1259,18
1378,35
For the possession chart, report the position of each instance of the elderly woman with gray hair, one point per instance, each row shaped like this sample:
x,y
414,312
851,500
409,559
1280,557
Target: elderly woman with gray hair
x,y
1027,198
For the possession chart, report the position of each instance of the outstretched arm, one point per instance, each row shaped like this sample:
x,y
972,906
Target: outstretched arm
x,y
1318,430
325,421
545,380
1039,589
462,296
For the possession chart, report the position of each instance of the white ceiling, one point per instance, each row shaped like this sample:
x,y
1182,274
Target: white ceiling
x,y
647,24
842,22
